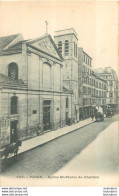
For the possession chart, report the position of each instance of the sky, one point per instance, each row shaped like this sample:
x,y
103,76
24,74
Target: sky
x,y
96,24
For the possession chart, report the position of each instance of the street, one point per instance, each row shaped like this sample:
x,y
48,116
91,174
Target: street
x,y
66,152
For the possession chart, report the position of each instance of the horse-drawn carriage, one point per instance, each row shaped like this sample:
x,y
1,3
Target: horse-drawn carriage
x,y
9,151
109,111
98,113
99,116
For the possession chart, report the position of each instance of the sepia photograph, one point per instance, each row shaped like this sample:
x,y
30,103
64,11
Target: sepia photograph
x,y
59,93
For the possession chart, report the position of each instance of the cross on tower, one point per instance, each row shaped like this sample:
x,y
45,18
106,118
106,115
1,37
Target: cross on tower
x,y
46,26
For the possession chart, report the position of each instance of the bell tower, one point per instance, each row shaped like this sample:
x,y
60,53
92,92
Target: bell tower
x,y
66,41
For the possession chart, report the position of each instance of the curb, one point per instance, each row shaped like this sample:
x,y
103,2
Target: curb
x,y
19,153
55,138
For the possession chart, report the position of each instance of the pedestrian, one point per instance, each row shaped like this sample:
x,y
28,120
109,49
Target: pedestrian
x,y
92,116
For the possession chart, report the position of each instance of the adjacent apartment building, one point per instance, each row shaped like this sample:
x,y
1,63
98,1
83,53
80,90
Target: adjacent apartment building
x,y
111,78
92,88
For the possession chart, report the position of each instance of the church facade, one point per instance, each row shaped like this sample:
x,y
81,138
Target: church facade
x,y
33,99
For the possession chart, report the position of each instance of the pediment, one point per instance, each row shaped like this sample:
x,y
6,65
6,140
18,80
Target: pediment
x,y
47,45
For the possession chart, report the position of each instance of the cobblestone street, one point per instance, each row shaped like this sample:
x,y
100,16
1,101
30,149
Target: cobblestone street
x,y
52,156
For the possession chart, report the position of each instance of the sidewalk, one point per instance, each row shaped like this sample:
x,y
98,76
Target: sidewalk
x,y
39,140
98,160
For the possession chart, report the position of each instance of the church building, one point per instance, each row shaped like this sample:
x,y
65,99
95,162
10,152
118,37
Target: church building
x,y
33,97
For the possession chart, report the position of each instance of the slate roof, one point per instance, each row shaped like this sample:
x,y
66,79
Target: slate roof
x,y
4,41
67,90
17,47
7,81
13,49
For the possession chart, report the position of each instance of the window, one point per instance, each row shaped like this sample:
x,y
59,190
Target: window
x,y
60,47
94,91
90,103
99,93
74,48
86,80
86,101
86,59
94,82
66,47
110,83
47,75
89,90
90,62
13,71
84,69
110,95
34,111
46,103
67,102
83,101
85,90
14,105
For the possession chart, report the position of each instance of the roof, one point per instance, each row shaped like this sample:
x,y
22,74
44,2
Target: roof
x,y
7,81
43,37
87,54
98,76
67,90
8,42
66,32
13,44
4,41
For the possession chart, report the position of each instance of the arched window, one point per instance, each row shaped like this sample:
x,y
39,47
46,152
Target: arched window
x,y
66,47
14,101
74,48
60,47
13,71
47,75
